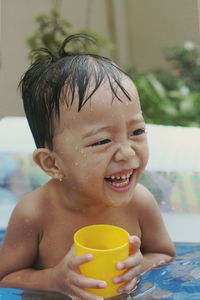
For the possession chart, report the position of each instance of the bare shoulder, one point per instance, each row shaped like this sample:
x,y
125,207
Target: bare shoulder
x,y
146,205
30,205
28,213
155,237
24,233
144,199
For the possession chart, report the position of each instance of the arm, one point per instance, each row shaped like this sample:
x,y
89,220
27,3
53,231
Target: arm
x,y
155,247
20,247
19,252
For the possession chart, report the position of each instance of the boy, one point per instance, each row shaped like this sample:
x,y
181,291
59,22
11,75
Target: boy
x,y
85,116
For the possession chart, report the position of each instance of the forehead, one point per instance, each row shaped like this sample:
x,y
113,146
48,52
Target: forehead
x,y
101,105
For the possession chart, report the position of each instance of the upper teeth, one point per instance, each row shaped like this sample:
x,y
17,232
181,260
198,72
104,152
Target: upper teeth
x,y
120,177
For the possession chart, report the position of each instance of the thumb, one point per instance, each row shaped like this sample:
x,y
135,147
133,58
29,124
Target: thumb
x,y
135,243
71,250
75,260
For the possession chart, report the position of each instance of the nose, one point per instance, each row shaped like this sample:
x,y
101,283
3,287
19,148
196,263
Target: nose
x,y
125,152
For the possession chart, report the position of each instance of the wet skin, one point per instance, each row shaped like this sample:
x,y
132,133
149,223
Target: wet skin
x,y
89,147
100,154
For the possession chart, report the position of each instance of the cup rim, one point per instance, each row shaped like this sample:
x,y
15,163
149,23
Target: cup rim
x,y
100,250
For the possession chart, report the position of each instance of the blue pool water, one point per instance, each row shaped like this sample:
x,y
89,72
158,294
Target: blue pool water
x,y
179,280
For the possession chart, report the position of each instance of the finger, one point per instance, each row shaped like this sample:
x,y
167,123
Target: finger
x,y
130,286
78,260
130,262
129,275
135,243
71,251
85,295
84,282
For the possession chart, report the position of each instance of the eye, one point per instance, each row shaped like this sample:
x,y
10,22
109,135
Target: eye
x,y
102,142
138,131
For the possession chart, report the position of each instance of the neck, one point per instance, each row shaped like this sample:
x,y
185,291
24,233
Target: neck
x,y
75,202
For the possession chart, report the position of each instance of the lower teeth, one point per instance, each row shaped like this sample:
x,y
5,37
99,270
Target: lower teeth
x,y
119,184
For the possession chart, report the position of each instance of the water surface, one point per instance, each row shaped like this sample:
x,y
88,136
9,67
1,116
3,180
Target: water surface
x,y
178,280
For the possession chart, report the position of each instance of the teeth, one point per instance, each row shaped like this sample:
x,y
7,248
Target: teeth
x,y
119,177
119,184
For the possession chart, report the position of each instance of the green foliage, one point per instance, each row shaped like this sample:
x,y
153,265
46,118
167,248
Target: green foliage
x,y
165,98
170,99
49,34
186,61
52,29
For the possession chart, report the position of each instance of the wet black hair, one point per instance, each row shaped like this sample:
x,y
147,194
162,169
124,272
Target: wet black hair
x,y
52,79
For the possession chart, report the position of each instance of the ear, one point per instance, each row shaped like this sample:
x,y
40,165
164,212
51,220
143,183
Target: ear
x,y
45,160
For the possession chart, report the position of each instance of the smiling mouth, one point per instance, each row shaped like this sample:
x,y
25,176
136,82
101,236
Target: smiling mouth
x,y
119,181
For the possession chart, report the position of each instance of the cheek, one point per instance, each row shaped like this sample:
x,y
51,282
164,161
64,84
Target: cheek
x,y
93,165
81,164
144,153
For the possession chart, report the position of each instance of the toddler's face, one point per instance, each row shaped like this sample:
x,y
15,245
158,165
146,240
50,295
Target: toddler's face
x,y
102,150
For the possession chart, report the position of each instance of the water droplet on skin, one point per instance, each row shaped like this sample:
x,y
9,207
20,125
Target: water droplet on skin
x,y
87,179
29,233
76,164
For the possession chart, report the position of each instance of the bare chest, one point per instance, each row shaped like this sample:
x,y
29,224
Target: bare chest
x,y
57,237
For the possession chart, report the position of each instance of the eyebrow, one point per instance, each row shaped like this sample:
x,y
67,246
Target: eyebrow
x,y
94,131
137,118
102,127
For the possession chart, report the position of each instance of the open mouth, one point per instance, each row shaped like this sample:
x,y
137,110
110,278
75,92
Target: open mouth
x,y
119,181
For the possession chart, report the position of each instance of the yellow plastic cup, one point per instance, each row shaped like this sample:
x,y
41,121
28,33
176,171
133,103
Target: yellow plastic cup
x,y
109,245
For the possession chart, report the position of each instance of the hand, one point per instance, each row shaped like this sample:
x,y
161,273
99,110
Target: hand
x,y
66,278
133,264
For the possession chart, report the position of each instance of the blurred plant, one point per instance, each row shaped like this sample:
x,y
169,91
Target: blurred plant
x,y
52,29
186,61
165,98
170,99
